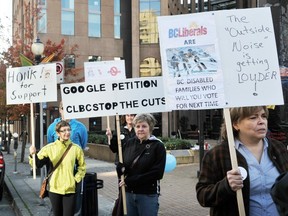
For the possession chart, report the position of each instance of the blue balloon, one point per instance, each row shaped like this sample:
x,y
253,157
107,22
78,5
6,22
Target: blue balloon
x,y
170,163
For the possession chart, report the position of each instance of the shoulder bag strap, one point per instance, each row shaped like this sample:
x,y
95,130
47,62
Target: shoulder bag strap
x,y
61,159
136,159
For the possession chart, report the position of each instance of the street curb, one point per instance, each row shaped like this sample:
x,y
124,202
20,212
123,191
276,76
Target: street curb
x,y
17,203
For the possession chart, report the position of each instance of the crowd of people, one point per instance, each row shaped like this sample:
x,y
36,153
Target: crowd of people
x,y
140,166
143,163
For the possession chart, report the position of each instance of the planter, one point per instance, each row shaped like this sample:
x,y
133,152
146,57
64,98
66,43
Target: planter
x,y
103,152
100,152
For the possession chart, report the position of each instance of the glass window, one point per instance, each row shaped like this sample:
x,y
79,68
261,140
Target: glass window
x,y
117,30
42,22
95,124
149,10
150,67
69,61
94,6
117,19
67,17
94,25
42,3
94,18
68,4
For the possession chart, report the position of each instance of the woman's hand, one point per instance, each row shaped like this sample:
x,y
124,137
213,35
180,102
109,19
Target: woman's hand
x,y
235,179
121,183
32,150
108,133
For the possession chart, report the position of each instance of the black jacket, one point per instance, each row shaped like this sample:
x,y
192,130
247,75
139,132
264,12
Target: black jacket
x,y
144,177
124,131
125,134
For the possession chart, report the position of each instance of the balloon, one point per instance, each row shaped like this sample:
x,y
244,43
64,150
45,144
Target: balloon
x,y
170,163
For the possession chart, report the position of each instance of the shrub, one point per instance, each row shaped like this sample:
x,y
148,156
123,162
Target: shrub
x,y
175,143
96,138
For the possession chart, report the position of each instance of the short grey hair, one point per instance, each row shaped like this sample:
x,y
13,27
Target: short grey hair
x,y
145,117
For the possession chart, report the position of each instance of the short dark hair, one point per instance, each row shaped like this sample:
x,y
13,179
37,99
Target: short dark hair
x,y
61,124
239,113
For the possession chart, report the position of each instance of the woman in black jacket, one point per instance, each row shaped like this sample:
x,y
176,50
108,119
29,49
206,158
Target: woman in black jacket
x,y
144,158
126,132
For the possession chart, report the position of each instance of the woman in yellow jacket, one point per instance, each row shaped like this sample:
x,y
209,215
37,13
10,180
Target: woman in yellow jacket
x,y
62,183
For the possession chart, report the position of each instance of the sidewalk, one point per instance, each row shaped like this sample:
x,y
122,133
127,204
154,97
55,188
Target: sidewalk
x,y
178,195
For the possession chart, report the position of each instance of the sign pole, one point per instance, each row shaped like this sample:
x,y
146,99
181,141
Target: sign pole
x,y
108,126
233,158
121,161
33,138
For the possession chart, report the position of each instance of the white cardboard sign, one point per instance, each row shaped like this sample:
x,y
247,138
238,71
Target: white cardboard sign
x,y
112,97
103,70
220,59
249,57
32,84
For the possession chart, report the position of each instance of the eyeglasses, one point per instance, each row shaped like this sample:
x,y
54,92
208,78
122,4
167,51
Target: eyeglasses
x,y
65,131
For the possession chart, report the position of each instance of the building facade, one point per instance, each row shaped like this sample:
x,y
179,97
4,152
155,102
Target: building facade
x,y
122,29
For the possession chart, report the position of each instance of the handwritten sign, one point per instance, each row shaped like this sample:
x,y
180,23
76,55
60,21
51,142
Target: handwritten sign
x,y
220,59
190,62
250,60
104,70
108,98
32,84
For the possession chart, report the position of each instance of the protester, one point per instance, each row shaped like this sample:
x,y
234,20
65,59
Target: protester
x,y
126,132
262,158
24,137
62,183
144,158
79,136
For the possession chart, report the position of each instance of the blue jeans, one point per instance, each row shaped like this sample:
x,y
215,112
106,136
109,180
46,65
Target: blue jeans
x,y
142,204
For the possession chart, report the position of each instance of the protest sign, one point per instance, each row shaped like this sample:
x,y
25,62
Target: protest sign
x,y
112,97
104,70
220,59
190,62
32,84
249,57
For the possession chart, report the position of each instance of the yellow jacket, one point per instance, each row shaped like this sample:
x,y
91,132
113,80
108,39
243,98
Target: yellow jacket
x,y
63,181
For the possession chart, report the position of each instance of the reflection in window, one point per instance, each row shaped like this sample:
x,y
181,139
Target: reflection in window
x,y
69,61
42,22
95,124
67,17
117,19
94,58
149,10
150,67
94,18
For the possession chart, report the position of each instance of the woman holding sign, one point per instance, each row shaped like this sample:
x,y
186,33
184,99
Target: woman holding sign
x,y
261,161
126,132
144,158
62,156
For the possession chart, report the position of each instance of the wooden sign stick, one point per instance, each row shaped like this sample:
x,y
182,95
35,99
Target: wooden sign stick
x,y
233,157
121,161
108,126
33,138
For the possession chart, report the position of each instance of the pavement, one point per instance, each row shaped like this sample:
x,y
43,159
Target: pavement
x,y
178,196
